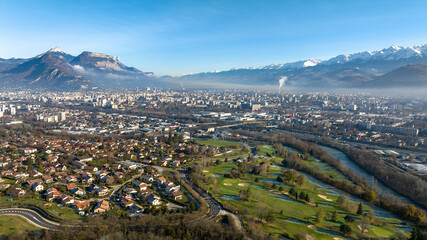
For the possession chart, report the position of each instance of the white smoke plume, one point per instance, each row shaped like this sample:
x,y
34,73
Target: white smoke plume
x,y
282,81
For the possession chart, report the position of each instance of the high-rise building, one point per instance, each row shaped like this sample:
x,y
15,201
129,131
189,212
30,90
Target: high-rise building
x,y
12,111
62,116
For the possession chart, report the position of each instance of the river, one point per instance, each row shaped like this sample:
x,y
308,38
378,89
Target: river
x,y
364,174
382,188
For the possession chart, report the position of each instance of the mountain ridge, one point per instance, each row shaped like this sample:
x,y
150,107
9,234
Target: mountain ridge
x,y
358,70
56,69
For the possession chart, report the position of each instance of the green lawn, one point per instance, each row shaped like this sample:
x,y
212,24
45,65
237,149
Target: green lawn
x,y
218,143
325,168
264,149
11,224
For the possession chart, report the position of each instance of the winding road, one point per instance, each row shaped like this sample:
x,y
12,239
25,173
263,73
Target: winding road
x,y
32,216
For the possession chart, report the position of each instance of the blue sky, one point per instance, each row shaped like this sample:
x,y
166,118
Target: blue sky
x,y
176,37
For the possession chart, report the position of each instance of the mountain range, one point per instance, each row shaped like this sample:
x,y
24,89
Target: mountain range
x,y
388,68
58,70
393,67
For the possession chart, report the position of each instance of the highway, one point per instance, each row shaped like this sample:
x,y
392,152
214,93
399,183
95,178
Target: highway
x,y
32,216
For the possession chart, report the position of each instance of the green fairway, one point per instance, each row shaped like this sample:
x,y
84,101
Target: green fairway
x,y
265,150
290,215
218,143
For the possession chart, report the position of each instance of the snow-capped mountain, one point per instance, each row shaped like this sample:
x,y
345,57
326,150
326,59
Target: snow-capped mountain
x,y
57,51
46,70
363,69
293,65
387,54
392,53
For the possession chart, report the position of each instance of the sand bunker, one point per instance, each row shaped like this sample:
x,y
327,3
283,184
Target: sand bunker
x,y
360,228
242,184
324,197
227,184
311,226
337,238
205,171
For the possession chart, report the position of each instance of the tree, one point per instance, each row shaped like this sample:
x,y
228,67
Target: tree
x,y
261,211
170,138
40,168
341,200
301,195
295,194
269,217
307,198
30,164
300,180
290,175
364,223
292,191
244,195
411,212
360,209
345,229
334,216
348,219
263,169
370,196
192,206
320,215
416,234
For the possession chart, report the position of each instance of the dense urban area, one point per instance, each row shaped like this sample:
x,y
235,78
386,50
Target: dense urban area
x,y
194,164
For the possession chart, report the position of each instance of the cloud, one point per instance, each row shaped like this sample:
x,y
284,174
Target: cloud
x,y
90,73
120,77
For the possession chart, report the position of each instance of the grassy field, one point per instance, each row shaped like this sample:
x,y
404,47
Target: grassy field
x,y
323,167
265,149
218,143
11,224
290,216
